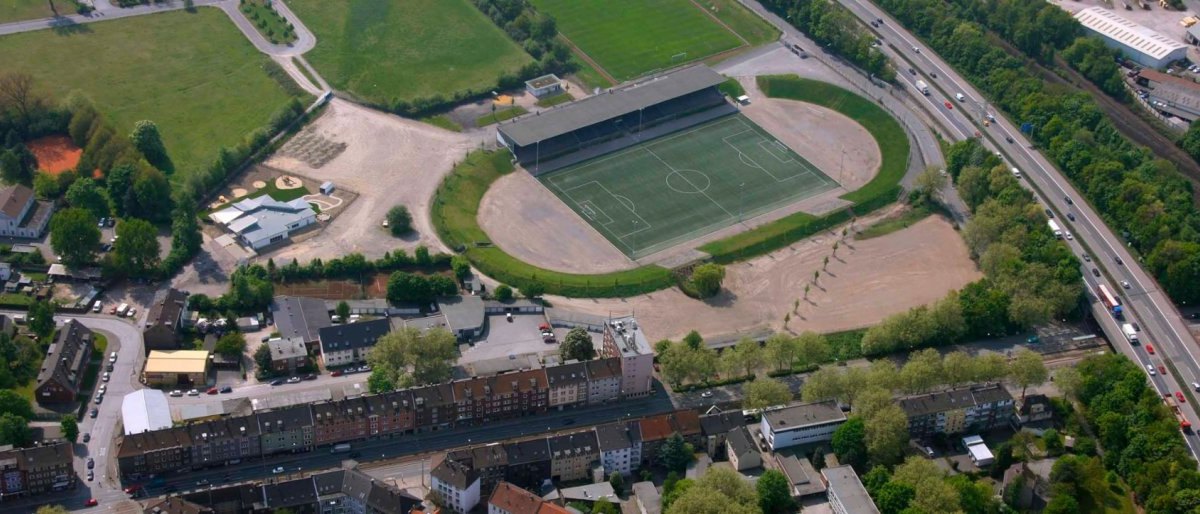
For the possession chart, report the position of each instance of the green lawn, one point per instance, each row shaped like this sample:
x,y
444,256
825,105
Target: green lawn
x,y
17,10
632,37
383,50
891,224
194,74
743,21
551,101
500,115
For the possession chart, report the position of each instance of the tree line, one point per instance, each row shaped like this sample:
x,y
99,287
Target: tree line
x,y
833,26
1141,197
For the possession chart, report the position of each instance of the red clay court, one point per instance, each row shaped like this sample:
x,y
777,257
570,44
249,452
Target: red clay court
x,y
55,154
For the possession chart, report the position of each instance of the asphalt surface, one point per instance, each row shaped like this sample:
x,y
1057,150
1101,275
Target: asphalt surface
x,y
1145,303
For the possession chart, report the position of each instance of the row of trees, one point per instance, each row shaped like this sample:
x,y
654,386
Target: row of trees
x,y
355,265
690,360
410,357
1142,197
877,431
832,25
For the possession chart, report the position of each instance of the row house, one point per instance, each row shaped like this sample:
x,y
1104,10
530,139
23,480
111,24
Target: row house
x,y
490,461
620,447
224,441
958,410
568,385
289,429
37,470
61,375
573,455
338,491
655,431
390,413
341,420
507,395
528,462
455,486
158,451
715,427
604,380
434,407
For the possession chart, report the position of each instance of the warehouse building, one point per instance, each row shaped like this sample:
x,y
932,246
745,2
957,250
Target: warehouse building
x,y
1141,44
178,367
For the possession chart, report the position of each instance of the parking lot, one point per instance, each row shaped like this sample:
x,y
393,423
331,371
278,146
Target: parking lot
x,y
508,339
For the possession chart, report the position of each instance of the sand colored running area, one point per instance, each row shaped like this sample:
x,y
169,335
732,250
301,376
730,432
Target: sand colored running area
x,y
55,154
867,281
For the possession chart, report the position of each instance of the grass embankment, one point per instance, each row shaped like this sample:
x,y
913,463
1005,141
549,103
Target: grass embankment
x,y
382,50
629,38
880,191
901,221
268,21
455,210
443,121
499,116
551,101
747,24
178,71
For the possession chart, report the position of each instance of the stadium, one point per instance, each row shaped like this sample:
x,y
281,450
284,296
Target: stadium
x,y
662,161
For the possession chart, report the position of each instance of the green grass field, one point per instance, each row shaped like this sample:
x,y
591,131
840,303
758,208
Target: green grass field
x,y
17,10
681,186
632,37
381,50
179,72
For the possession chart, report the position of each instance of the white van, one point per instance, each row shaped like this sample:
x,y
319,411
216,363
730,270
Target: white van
x,y
1016,173
959,96
121,309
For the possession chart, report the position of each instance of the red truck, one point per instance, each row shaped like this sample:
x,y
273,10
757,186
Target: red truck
x,y
1184,424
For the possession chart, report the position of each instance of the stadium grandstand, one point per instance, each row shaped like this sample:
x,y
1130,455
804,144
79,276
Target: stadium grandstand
x,y
615,119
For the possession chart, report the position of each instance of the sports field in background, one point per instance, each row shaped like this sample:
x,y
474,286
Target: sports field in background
x,y
381,50
632,37
681,186
194,74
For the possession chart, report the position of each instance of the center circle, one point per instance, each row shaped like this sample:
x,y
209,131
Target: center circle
x,y
688,181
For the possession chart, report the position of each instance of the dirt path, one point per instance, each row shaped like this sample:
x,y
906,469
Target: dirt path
x,y
868,281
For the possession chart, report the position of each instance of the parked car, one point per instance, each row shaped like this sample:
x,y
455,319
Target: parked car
x,y
87,436
337,373
96,308
212,390
310,376
132,312
193,392
93,413
91,475
112,357
91,503
107,375
176,393
226,389
276,382
91,463
1049,213
277,470
293,380
706,394
1087,257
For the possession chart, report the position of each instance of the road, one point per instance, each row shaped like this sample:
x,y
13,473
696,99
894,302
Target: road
x,y
1145,302
125,339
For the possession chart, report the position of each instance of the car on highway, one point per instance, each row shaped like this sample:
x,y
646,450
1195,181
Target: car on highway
x,y
226,389
1009,139
91,463
1150,349
91,502
1087,257
1071,216
1162,369
1049,214
176,393
569,421
1150,369
93,413
1119,261
1067,234
193,392
202,482
1179,396
1069,201
293,380
1136,327
949,105
916,50
912,71
1125,284
1095,272
87,436
277,382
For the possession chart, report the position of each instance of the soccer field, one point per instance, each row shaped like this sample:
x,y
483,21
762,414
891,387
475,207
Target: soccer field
x,y
681,186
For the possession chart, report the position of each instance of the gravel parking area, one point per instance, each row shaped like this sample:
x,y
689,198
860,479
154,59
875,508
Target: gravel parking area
x,y
386,160
504,338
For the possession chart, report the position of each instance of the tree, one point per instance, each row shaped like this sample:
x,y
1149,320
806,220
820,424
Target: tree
x,y
957,368
927,187
743,359
14,430
774,493
428,354
1062,504
404,287
136,252
151,195
894,497
823,384
262,359
15,404
886,434
617,482
850,443
146,139
701,500
932,494
232,344
120,187
399,220
1054,442
250,290
693,340
533,290
765,392
17,93
1027,368
812,348
13,169
461,267
86,194
380,381
343,310
70,427
503,293
676,454
52,509
74,236
680,362
41,322
707,278
577,345
782,351
603,506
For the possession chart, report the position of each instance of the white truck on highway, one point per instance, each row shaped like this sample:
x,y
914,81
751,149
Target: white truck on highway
x,y
923,87
1055,228
1130,333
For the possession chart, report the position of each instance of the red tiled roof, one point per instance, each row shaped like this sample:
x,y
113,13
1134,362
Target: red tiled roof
x,y
514,499
655,428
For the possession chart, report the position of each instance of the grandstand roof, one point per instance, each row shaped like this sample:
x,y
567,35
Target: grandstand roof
x,y
604,106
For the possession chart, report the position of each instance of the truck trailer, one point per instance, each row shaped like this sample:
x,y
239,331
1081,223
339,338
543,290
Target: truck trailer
x,y
1130,333
923,87
1184,424
1055,228
1110,301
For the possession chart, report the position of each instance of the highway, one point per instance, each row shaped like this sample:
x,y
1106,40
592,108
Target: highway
x,y
1145,303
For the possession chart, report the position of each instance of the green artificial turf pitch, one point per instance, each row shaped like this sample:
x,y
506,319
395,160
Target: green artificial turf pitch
x,y
681,186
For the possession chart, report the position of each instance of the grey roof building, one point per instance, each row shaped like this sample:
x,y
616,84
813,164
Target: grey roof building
x,y
801,475
350,342
262,221
953,411
297,316
164,319
63,368
846,493
742,452
464,315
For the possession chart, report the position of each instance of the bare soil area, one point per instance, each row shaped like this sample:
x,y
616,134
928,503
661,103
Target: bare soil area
x,y
867,281
526,220
834,143
388,161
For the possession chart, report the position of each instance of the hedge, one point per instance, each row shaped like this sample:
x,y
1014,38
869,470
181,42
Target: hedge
x,y
454,213
880,191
